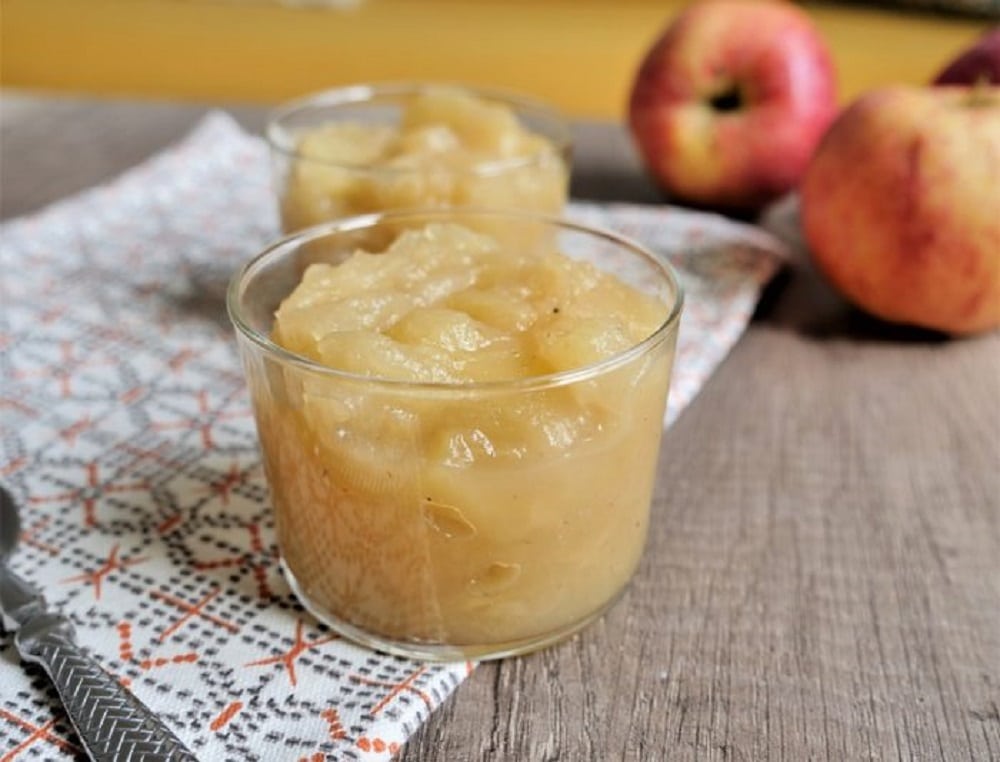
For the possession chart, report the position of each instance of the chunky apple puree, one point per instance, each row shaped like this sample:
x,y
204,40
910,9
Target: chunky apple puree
x,y
449,149
463,502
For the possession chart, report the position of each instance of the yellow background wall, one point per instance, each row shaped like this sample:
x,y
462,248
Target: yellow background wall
x,y
578,54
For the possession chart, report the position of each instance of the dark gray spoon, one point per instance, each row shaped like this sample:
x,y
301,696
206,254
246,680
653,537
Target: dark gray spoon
x,y
112,724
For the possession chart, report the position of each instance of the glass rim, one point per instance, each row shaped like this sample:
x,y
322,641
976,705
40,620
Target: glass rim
x,y
279,136
293,241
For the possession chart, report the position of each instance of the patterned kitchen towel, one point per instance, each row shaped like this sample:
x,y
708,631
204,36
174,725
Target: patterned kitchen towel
x,y
128,439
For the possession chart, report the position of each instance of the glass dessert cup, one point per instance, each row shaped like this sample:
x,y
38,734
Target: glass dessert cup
x,y
459,519
373,148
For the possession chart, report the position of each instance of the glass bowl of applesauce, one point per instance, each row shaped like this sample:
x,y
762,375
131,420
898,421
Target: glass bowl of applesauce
x,y
460,431
373,148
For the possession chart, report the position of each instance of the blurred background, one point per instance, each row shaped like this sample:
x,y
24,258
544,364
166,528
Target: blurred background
x,y
578,54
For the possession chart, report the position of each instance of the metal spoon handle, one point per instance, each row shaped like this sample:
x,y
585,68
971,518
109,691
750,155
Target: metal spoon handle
x,y
113,725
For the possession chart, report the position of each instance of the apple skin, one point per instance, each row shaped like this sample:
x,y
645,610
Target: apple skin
x,y
730,101
978,63
901,206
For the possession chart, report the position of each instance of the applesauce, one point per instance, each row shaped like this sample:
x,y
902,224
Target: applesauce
x,y
460,437
370,149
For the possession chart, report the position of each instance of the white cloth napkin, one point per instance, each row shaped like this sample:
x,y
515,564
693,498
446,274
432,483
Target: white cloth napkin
x,y
127,438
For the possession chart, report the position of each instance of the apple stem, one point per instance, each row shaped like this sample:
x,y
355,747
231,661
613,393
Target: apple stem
x,y
980,94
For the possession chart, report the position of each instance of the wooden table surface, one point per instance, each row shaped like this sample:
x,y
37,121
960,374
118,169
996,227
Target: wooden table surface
x,y
822,578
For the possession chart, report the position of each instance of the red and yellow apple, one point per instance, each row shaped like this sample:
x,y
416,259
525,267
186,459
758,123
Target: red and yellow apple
x,y
901,206
731,100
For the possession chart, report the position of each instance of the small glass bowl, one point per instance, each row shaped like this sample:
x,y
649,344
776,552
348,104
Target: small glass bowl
x,y
451,521
321,176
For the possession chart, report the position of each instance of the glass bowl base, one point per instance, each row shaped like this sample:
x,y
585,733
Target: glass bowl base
x,y
435,651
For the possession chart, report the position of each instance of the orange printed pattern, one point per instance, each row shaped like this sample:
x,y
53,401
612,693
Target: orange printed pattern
x,y
377,745
74,430
192,610
396,688
226,715
127,654
87,495
28,535
35,733
111,564
13,466
287,659
203,420
63,371
258,569
332,717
